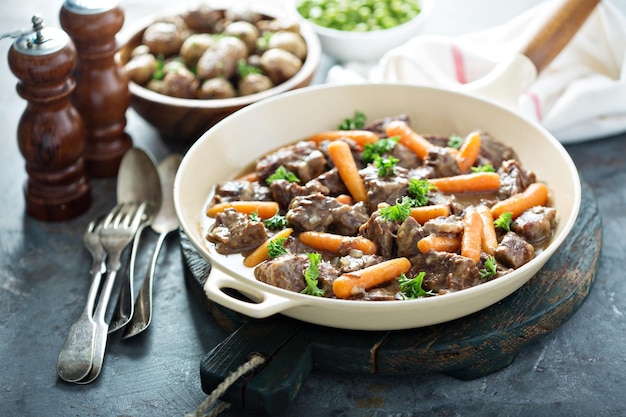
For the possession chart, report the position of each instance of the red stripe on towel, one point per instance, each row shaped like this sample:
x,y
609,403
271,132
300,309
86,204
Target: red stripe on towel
x,y
459,65
536,103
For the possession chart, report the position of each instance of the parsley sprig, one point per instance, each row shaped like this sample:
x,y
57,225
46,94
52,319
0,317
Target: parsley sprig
x,y
276,247
311,274
504,221
411,288
378,148
418,190
282,173
397,212
386,166
358,122
490,268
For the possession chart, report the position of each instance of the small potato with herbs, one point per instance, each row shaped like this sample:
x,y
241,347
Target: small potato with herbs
x,y
209,53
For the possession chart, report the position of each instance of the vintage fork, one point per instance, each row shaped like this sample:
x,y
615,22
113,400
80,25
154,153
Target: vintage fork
x,y
117,231
76,356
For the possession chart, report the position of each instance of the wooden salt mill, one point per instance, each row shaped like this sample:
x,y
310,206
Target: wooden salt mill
x,y
50,133
102,95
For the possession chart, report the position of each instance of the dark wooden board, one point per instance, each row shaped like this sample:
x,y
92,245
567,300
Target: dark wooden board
x,y
466,348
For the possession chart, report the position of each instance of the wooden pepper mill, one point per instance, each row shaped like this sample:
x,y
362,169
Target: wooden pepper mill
x,y
102,95
50,133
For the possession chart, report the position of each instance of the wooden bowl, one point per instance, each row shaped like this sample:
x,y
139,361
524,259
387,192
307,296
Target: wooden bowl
x,y
185,120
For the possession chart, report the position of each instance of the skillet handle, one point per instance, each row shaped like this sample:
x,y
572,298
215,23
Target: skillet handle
x,y
264,303
557,30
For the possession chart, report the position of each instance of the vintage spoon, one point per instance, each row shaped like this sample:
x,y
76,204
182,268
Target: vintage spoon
x,y
137,181
164,223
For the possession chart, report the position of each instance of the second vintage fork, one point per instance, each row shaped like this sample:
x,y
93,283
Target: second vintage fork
x,y
117,231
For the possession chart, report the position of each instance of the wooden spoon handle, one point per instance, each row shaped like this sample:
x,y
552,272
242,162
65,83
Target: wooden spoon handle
x,y
560,26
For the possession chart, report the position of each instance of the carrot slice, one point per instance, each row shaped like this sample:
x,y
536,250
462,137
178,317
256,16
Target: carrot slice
x,y
341,156
265,209
408,137
489,238
345,199
471,241
337,244
439,243
468,152
536,194
353,283
361,137
261,253
425,213
474,182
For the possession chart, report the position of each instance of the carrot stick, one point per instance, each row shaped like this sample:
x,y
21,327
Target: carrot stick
x,y
261,253
476,181
361,137
341,156
408,137
439,243
468,152
345,199
353,283
265,209
536,194
337,244
471,242
251,177
489,240
425,213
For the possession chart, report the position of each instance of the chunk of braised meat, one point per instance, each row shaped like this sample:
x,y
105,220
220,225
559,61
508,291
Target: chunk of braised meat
x,y
437,140
536,224
302,158
378,126
406,157
513,178
514,251
321,213
234,232
409,233
354,261
445,272
442,162
347,219
331,181
493,151
384,189
390,291
382,232
235,190
287,272
450,225
284,191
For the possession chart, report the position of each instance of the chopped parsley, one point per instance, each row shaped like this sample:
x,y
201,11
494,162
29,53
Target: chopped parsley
x,y
282,173
490,268
243,69
378,148
386,166
411,288
159,74
254,217
504,221
483,168
275,222
455,141
358,122
397,212
311,274
418,190
276,247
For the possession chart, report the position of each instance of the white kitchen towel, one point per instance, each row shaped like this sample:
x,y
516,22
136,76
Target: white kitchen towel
x,y
580,96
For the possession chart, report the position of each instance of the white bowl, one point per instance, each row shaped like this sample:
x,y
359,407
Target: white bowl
x,y
237,141
345,46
